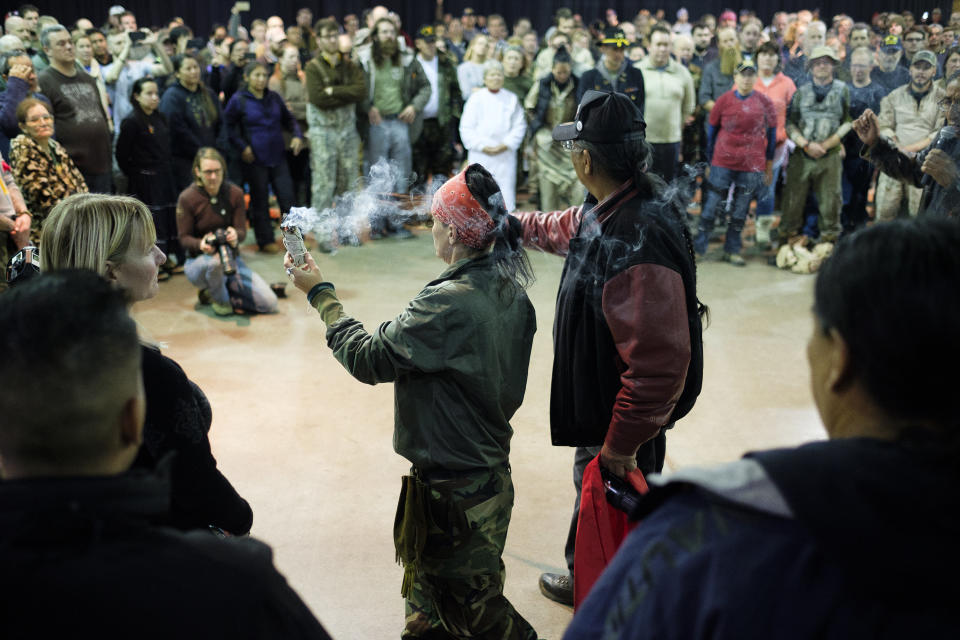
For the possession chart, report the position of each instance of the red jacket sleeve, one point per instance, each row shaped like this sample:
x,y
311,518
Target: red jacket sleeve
x,y
645,308
550,231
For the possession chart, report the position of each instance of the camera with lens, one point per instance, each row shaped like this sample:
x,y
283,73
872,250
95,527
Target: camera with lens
x,y
218,240
24,265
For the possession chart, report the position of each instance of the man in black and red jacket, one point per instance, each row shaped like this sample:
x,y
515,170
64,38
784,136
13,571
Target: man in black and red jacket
x,y
628,355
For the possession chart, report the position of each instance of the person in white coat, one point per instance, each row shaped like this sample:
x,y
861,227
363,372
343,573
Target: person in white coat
x,y
492,129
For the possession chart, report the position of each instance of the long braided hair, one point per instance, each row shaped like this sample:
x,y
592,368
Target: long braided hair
x,y
632,157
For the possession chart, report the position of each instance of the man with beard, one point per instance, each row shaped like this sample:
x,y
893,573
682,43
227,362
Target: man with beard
x,y
910,118
717,77
858,172
888,72
397,92
796,67
935,169
703,50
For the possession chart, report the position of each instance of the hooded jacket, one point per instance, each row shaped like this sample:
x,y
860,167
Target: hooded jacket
x,y
853,538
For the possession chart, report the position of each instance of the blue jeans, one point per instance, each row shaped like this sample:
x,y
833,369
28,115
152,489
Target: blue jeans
x,y
748,183
244,290
767,194
390,140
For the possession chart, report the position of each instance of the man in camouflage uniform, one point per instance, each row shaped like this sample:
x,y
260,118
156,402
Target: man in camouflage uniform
x,y
335,84
817,121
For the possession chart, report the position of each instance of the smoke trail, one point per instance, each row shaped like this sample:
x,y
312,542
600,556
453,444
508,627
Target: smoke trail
x,y
373,204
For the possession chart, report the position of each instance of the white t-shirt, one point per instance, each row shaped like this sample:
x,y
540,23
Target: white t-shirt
x,y
432,71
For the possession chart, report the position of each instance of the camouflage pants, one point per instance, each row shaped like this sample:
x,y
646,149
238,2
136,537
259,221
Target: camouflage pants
x,y
457,591
823,176
334,162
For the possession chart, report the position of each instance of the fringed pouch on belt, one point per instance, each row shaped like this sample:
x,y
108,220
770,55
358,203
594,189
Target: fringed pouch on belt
x,y
410,528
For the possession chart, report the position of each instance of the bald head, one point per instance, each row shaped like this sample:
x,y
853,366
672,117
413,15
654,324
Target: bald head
x,y
17,26
10,43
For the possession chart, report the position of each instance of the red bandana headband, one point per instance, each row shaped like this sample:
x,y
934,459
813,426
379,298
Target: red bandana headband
x,y
454,204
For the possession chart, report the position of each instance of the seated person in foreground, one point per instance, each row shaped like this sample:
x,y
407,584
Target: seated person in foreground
x,y
81,556
853,537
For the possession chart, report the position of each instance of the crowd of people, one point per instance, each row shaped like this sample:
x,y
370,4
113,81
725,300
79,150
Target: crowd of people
x,y
141,152
301,111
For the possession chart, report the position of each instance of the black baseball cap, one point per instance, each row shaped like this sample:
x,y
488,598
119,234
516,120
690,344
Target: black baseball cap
x,y
604,117
427,33
614,37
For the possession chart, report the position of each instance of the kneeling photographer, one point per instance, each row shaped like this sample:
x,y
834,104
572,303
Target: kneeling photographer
x,y
212,222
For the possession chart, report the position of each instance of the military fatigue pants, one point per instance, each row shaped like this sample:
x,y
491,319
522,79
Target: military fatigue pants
x,y
823,175
891,193
334,162
457,591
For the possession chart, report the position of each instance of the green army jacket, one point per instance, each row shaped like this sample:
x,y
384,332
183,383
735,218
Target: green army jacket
x,y
458,357
346,82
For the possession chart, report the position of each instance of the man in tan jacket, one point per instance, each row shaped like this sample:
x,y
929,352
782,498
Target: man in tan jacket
x,y
910,117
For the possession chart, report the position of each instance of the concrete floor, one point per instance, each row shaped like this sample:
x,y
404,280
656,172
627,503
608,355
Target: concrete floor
x,y
310,447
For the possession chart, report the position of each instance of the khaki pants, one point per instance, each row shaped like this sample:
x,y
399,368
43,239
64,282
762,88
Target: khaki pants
x,y
890,193
823,175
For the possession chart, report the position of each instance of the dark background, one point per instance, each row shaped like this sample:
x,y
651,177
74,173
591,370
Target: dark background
x,y
201,14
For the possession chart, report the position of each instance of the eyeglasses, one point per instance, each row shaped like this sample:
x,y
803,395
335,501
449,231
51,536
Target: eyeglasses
x,y
46,118
568,145
945,103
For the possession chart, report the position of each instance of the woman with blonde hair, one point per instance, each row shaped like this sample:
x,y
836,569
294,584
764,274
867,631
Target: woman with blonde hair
x,y
41,166
470,71
115,237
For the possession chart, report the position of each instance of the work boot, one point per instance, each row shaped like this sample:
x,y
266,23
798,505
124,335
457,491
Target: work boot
x,y
557,587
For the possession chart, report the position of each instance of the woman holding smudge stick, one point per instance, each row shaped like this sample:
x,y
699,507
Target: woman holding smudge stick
x,y
458,357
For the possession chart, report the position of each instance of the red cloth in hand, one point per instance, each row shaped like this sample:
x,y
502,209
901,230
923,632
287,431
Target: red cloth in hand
x,y
601,528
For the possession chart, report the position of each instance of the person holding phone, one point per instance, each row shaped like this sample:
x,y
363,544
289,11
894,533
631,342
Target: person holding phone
x,y
120,74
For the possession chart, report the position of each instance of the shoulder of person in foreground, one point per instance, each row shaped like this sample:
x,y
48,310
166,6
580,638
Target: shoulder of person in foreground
x,y
751,548
270,604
